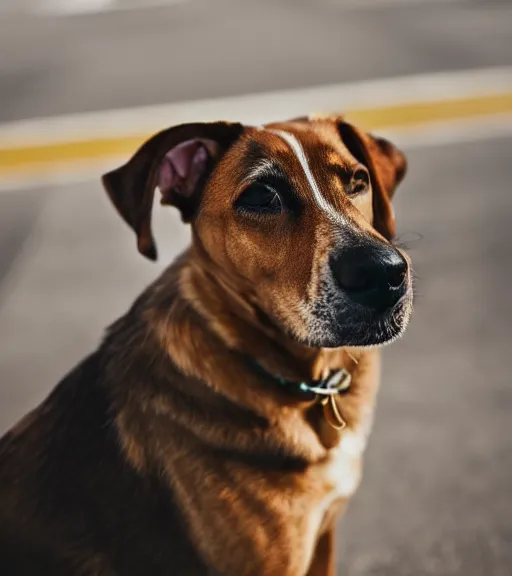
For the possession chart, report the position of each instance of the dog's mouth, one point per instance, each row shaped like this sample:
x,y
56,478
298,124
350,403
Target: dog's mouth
x,y
337,319
389,325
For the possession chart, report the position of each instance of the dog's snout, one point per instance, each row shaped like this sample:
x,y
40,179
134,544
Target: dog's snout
x,y
374,276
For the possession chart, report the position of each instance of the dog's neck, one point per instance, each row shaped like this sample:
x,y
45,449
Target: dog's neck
x,y
209,330
214,330
231,310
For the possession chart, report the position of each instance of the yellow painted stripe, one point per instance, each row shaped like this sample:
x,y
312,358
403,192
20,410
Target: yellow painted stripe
x,y
408,115
44,157
35,157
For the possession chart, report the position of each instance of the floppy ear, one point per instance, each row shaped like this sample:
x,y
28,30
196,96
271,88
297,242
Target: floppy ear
x,y
387,167
177,160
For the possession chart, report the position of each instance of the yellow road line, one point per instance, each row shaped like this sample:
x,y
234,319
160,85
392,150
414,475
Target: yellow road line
x,y
408,115
44,157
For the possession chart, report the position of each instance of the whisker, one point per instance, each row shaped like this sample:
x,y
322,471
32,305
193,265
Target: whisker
x,y
405,243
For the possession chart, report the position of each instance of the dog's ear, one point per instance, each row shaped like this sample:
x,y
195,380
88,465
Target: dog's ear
x,y
179,161
387,167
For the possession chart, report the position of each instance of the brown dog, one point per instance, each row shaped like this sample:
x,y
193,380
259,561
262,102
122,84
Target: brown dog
x,y
216,429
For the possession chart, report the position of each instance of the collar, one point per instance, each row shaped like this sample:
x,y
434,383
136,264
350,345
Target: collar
x,y
336,382
324,391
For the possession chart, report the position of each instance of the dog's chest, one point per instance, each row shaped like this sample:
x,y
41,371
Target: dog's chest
x,y
315,501
333,481
276,521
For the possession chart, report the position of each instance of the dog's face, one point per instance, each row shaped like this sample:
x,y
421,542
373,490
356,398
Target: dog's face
x,y
297,215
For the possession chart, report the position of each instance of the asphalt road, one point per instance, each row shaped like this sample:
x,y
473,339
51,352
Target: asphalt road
x,y
437,492
209,48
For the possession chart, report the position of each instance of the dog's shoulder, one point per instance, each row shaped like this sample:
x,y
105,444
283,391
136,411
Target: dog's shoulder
x,y
70,498
57,440
41,459
52,417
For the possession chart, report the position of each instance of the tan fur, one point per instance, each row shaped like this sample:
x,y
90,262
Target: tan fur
x,y
273,517
270,521
258,474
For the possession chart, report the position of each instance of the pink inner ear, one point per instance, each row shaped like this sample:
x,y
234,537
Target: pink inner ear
x,y
183,166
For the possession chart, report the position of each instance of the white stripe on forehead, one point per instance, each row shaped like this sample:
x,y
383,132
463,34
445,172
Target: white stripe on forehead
x,y
298,150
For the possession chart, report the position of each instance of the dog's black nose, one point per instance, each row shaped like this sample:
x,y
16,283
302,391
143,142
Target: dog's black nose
x,y
372,275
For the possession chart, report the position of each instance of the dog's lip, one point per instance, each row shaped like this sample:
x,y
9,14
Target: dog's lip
x,y
340,321
404,300
398,312
396,318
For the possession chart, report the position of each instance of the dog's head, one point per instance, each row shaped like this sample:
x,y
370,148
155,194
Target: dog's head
x,y
298,213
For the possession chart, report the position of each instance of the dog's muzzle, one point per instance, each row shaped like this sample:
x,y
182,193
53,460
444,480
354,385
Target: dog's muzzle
x,y
372,275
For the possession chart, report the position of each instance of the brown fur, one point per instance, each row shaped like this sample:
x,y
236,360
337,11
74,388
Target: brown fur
x,y
165,452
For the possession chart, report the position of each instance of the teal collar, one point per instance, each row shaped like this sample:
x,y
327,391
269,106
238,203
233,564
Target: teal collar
x,y
337,382
324,391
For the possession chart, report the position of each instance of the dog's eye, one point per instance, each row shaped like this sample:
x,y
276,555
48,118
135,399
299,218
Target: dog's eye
x,y
359,183
259,198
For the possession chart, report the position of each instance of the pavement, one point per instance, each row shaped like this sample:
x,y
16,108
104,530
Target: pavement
x,y
436,497
213,48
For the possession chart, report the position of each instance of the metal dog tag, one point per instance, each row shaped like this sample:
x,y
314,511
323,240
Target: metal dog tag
x,y
339,381
332,413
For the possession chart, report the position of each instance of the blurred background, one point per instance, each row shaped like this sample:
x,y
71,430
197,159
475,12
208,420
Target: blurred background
x,y
82,82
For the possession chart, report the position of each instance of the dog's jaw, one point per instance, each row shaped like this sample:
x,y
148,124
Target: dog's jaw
x,y
335,322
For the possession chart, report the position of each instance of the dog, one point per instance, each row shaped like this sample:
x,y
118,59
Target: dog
x,y
219,427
